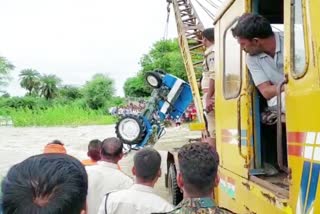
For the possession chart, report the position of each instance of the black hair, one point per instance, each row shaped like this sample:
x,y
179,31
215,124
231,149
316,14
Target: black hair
x,y
111,147
147,162
198,164
208,34
251,26
45,184
58,142
94,148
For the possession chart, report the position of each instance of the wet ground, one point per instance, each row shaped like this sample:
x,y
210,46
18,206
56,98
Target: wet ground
x,y
16,144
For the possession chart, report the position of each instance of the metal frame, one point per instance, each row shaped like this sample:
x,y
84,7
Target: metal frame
x,y
190,30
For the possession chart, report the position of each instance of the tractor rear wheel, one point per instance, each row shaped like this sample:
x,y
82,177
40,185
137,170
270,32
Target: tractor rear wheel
x,y
175,195
131,129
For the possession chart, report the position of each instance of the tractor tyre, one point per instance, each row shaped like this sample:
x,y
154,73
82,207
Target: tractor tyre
x,y
175,195
154,79
131,129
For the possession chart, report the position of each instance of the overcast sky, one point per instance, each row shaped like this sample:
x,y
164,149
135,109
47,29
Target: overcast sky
x,y
75,39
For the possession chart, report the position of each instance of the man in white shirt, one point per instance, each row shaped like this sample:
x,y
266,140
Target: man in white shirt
x,y
265,51
106,176
140,198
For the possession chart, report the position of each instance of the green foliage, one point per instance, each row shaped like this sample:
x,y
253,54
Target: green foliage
x,y
49,86
30,80
98,91
5,68
116,101
57,115
70,92
165,54
24,102
5,95
136,87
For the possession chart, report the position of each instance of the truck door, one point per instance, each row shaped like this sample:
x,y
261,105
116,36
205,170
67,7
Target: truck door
x,y
303,103
232,100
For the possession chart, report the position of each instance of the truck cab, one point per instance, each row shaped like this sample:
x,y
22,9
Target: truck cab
x,y
268,168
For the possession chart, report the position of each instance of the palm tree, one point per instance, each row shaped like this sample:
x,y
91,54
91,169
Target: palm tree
x,y
5,68
30,80
49,86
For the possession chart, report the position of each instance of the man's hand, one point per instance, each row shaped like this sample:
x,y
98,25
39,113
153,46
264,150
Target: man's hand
x,y
209,104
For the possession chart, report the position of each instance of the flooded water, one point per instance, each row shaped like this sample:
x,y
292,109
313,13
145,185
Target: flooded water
x,y
17,144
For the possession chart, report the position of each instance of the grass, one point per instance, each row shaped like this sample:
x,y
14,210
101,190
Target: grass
x,y
57,116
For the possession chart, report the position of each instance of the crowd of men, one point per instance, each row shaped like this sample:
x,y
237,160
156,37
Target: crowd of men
x,y
56,183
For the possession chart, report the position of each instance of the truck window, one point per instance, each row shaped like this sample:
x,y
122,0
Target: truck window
x,y
232,65
299,52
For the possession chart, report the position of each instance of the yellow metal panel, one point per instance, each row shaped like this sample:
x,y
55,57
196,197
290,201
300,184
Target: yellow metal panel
x,y
197,126
243,196
303,110
234,156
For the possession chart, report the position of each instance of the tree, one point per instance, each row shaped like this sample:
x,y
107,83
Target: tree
x,y
5,68
98,91
30,80
70,92
165,54
49,86
136,87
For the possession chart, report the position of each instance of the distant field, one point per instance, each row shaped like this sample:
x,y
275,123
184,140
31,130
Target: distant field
x,y
57,116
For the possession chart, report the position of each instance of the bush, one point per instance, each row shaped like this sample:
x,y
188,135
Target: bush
x,y
25,102
58,115
98,90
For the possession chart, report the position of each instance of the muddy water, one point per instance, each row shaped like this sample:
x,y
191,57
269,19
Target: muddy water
x,y
16,144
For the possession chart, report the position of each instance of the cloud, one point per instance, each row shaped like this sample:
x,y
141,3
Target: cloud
x,y
75,39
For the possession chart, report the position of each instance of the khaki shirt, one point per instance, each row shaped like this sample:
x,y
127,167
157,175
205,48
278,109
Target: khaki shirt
x,y
208,68
138,199
199,206
103,178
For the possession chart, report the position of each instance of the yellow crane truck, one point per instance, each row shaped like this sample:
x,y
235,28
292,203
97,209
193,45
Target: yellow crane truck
x,y
247,147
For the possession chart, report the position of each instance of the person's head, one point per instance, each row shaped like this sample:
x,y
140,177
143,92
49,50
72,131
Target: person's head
x,y
111,150
208,37
251,31
94,148
55,146
146,166
46,184
198,166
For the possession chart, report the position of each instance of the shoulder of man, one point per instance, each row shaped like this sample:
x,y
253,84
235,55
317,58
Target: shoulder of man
x,y
199,206
190,210
209,50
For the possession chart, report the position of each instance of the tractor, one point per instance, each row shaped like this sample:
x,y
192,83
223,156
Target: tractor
x,y
170,97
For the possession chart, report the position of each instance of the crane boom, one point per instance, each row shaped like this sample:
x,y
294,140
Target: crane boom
x,y
190,28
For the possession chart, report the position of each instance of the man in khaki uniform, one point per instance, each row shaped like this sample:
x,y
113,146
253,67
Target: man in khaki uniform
x,y
207,83
197,177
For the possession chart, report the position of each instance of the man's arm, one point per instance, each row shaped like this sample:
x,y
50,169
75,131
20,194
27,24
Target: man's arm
x,y
210,95
209,98
268,90
260,79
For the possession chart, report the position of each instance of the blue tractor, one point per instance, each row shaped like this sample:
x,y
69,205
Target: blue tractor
x,y
170,97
